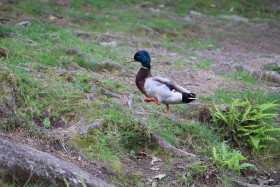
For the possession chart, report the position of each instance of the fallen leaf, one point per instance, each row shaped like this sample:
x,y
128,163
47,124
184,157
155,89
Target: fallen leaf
x,y
155,159
154,168
154,184
160,176
142,152
52,17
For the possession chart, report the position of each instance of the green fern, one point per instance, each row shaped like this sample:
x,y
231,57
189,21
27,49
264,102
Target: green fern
x,y
231,159
246,123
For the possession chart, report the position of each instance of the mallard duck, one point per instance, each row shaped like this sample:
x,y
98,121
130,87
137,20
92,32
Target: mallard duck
x,y
158,89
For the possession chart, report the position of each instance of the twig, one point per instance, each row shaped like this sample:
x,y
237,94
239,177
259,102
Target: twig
x,y
112,94
130,100
64,148
62,71
13,101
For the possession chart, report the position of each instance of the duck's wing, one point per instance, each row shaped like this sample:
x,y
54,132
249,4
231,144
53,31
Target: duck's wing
x,y
171,83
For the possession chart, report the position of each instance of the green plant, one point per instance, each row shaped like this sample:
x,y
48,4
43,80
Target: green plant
x,y
47,122
231,159
247,123
195,172
272,68
65,181
204,64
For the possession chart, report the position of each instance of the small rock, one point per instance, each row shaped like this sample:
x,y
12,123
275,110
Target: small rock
x,y
154,184
29,41
155,159
93,88
169,62
222,68
148,29
24,23
154,168
4,52
160,176
3,19
194,13
173,54
84,130
52,18
104,105
236,18
73,79
240,67
8,34
111,44
146,4
193,58
90,97
82,33
72,51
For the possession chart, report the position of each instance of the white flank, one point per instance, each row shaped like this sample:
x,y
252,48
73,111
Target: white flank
x,y
156,88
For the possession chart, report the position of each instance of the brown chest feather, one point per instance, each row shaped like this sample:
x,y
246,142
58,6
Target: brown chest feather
x,y
141,76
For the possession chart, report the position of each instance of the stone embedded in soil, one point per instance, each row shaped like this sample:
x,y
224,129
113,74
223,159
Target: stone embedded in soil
x,y
19,161
85,130
24,23
154,160
8,34
4,52
160,176
222,68
111,44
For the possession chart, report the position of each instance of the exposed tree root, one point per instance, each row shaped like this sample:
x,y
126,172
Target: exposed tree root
x,y
112,94
272,76
13,100
243,184
85,130
162,142
167,146
130,100
25,163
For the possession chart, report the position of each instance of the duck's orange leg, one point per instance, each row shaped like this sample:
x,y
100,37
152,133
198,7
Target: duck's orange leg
x,y
167,109
152,99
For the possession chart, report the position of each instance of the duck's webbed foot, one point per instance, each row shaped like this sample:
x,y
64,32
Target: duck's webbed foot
x,y
152,99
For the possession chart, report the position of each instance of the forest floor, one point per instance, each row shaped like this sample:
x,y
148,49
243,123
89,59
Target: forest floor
x,y
55,49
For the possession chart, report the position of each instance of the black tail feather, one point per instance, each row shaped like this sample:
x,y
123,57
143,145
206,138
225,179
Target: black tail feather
x,y
188,97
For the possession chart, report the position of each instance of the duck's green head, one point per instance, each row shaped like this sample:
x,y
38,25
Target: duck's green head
x,y
144,58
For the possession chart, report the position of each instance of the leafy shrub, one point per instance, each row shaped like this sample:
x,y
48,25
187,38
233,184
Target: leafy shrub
x,y
224,157
247,123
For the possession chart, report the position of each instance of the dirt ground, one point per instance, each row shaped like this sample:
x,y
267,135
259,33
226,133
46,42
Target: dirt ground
x,y
240,41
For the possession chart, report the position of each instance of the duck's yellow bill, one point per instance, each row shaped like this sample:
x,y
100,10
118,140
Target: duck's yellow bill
x,y
130,60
